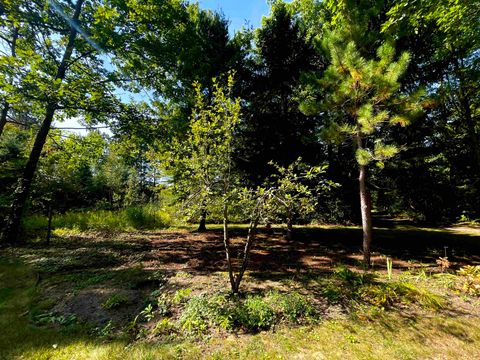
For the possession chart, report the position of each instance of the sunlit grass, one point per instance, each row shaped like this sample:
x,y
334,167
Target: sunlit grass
x,y
389,335
132,218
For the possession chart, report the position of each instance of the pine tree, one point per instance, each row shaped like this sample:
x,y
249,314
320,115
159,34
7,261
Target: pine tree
x,y
359,99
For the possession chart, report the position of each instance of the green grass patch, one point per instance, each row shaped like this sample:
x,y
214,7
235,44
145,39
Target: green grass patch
x,y
131,218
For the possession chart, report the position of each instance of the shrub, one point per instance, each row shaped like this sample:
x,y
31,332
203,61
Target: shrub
x,y
255,314
204,311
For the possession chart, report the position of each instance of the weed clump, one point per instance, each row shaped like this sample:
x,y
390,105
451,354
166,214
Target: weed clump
x,y
471,280
250,314
115,301
353,289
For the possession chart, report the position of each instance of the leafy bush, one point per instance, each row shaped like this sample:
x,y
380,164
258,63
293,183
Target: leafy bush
x,y
204,310
255,314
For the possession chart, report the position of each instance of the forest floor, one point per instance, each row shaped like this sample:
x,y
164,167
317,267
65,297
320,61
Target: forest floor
x,y
81,296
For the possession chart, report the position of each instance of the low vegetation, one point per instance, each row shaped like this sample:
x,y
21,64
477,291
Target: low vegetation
x,y
130,218
73,300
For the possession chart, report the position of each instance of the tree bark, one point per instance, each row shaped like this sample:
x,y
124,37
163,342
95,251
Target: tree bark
x,y
3,116
366,211
6,105
203,220
365,208
226,243
289,234
49,227
12,225
246,254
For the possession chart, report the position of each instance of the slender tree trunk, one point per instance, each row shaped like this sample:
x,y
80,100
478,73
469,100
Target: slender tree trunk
x,y
289,234
226,243
6,105
365,208
3,116
366,211
49,227
24,183
203,220
246,253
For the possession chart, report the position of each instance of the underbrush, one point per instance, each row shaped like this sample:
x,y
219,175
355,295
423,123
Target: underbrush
x,y
131,218
360,291
196,315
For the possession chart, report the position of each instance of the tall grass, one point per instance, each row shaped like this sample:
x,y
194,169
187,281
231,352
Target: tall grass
x,y
131,218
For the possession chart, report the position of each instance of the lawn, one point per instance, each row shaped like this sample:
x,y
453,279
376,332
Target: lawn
x,y
163,294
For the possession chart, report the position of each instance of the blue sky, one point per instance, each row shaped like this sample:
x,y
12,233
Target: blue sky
x,y
239,11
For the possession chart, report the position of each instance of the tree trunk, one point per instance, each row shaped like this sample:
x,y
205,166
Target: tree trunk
x,y
203,220
6,105
366,211
246,253
49,227
289,234
226,243
3,116
365,207
24,183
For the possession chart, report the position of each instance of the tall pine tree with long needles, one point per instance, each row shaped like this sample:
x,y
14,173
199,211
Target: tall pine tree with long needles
x,y
359,99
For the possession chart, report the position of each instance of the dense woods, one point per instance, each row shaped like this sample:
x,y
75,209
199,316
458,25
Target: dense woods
x,y
340,84
330,112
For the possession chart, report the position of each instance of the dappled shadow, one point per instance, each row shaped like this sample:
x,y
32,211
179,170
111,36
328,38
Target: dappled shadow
x,y
312,248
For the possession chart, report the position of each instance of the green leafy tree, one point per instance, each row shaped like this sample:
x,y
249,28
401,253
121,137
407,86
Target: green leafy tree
x,y
291,192
68,78
360,98
171,44
206,160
